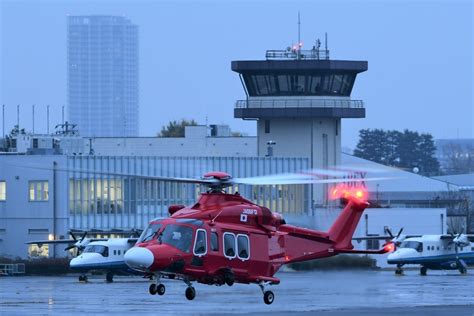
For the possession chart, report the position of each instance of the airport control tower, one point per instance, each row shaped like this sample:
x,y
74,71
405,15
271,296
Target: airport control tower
x,y
298,98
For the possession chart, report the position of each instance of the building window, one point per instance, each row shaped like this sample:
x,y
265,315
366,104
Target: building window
x,y
267,126
3,190
34,251
38,191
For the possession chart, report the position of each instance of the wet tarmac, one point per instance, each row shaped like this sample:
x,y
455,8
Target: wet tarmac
x,y
310,293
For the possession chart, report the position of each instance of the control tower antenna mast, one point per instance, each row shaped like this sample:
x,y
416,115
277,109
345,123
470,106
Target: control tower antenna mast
x,y
299,36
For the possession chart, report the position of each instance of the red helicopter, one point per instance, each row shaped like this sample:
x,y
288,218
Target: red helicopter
x,y
225,238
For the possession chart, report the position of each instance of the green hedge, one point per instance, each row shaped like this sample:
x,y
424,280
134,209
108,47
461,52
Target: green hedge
x,y
43,266
336,262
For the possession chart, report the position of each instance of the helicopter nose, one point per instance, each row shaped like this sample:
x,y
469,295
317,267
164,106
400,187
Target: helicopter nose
x,y
139,258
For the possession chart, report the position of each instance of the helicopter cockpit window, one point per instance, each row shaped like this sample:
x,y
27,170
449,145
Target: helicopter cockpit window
x,y
102,250
149,232
229,245
178,236
243,247
418,246
200,245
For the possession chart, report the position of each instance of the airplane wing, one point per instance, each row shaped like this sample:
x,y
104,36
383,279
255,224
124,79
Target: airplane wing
x,y
451,237
382,237
62,241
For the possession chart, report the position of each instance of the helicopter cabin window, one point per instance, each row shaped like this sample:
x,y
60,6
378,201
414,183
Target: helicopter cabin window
x,y
229,245
200,244
214,242
118,252
243,247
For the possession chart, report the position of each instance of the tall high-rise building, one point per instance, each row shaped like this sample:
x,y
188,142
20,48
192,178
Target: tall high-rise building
x,y
103,75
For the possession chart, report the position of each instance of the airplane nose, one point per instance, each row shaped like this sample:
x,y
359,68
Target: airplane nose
x,y
139,258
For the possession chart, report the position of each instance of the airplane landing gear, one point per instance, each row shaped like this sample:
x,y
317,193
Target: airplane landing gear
x,y
399,270
190,293
83,278
109,277
268,296
423,270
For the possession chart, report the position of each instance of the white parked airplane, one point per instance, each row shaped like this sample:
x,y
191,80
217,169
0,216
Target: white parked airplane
x,y
434,252
97,254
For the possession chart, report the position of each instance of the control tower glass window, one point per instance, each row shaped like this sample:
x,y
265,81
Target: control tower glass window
x,y
299,84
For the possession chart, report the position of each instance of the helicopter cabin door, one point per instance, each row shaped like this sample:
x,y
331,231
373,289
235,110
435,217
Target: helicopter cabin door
x,y
237,250
199,248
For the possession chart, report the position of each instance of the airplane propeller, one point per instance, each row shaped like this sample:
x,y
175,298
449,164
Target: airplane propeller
x,y
78,243
460,240
396,239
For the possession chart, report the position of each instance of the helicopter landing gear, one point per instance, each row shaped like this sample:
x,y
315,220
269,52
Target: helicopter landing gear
x,y
399,270
109,277
190,292
160,289
157,287
423,270
153,289
83,278
268,296
229,278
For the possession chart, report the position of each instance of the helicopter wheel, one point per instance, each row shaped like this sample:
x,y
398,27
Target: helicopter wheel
x,y
160,289
399,271
229,278
423,270
109,277
268,297
463,270
153,289
190,293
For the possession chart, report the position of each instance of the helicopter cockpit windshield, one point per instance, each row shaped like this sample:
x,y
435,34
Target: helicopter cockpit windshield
x,y
149,232
178,236
418,246
102,250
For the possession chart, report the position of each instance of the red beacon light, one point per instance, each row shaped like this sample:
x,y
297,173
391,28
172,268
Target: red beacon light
x,y
349,193
389,247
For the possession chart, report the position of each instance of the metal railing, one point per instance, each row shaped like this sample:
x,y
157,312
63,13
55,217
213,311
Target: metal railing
x,y
312,54
12,268
299,103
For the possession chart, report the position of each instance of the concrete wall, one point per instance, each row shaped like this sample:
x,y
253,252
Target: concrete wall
x,y
317,139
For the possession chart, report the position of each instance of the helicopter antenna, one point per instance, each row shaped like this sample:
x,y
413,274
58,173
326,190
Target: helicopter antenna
x,y
299,37
214,219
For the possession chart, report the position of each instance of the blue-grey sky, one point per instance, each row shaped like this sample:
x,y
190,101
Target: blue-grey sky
x,y
420,58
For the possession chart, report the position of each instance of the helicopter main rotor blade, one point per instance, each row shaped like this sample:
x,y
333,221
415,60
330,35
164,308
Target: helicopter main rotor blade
x,y
299,179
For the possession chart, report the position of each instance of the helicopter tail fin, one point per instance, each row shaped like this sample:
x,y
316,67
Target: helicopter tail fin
x,y
342,230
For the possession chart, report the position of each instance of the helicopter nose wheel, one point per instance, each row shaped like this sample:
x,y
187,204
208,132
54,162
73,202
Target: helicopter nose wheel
x,y
190,293
423,270
160,289
153,289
